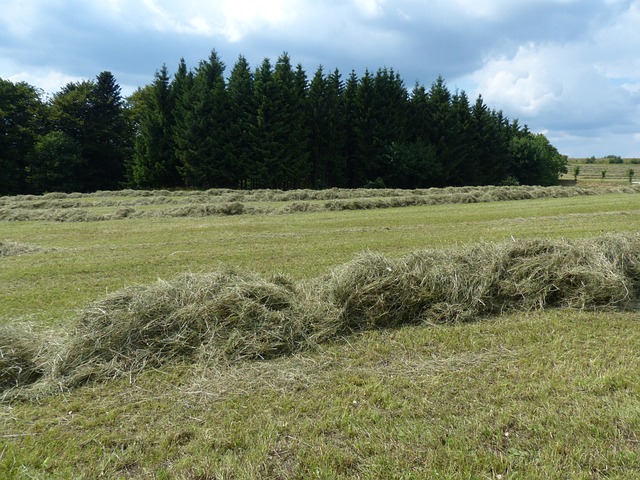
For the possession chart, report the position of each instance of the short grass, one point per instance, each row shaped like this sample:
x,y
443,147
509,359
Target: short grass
x,y
534,395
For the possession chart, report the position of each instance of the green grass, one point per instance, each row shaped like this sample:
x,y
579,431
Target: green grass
x,y
534,395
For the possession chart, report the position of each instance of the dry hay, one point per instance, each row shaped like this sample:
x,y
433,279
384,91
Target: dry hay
x,y
226,315
231,315
436,286
217,202
19,363
9,249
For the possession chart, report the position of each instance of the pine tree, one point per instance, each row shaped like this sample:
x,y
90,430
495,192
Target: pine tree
x,y
364,170
109,134
350,111
155,162
267,170
461,161
291,159
326,129
335,133
242,123
489,144
389,120
202,128
21,114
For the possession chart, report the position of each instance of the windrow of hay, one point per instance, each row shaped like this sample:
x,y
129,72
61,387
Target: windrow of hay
x,y
231,315
226,315
436,286
9,249
100,206
19,363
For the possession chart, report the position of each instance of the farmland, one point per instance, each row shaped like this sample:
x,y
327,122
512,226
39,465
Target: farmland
x,y
530,393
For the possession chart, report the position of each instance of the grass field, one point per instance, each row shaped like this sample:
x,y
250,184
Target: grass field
x,y
592,173
531,394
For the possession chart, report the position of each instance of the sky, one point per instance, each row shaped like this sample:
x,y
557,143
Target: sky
x,y
569,69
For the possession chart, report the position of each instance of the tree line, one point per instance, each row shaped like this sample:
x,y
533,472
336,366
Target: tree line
x,y
268,127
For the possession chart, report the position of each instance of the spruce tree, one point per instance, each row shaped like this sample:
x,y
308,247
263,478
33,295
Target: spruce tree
x,y
335,133
202,128
21,114
326,129
267,170
242,123
389,120
490,145
350,111
109,135
155,162
366,147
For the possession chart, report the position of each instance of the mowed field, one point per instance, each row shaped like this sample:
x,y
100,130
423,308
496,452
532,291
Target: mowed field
x,y
537,393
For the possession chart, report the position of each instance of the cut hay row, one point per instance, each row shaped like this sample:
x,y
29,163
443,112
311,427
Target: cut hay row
x,y
231,315
224,315
10,249
135,204
19,364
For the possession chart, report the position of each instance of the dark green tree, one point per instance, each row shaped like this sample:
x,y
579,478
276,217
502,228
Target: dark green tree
x,y
460,160
291,156
326,129
364,160
108,134
389,120
70,114
299,168
336,167
441,129
267,170
21,121
535,161
55,164
349,107
202,128
489,145
155,163
242,123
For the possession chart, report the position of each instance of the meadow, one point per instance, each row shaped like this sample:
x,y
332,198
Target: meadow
x,y
517,360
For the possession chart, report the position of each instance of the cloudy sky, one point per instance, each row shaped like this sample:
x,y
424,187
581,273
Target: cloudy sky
x,y
568,68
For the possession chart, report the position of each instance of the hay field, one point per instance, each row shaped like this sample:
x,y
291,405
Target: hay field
x,y
492,339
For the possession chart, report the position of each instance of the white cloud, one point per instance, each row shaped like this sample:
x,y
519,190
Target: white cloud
x,y
369,8
528,82
242,17
18,18
49,81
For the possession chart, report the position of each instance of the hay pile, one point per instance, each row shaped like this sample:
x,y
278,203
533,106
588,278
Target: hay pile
x,y
18,359
231,315
225,316
435,286
9,249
